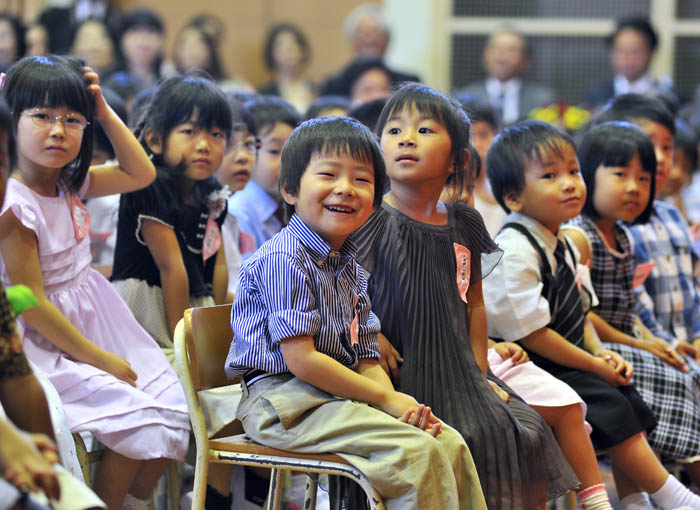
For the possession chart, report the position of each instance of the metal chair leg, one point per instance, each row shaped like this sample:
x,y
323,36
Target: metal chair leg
x,y
274,495
310,492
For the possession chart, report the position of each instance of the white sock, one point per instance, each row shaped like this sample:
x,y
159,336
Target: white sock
x,y
636,501
133,503
594,498
674,494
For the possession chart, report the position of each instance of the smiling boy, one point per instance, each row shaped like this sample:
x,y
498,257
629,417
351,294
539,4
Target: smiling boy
x,y
305,338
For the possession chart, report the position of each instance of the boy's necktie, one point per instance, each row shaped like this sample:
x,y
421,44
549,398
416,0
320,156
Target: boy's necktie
x,y
569,309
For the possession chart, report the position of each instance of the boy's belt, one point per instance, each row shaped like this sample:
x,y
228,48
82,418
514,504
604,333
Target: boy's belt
x,y
256,375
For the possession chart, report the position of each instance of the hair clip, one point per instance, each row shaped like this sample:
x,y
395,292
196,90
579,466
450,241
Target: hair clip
x,y
2,80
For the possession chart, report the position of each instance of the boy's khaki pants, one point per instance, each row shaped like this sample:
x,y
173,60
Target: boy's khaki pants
x,y
407,466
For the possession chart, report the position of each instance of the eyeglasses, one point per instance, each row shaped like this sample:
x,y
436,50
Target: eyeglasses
x,y
71,122
249,145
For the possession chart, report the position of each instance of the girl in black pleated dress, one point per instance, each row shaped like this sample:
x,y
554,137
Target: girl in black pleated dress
x,y
426,260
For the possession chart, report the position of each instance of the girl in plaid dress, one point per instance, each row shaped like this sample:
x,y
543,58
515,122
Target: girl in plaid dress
x,y
619,167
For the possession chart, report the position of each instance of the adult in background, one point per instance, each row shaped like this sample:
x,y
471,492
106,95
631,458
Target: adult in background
x,y
506,59
632,47
287,55
367,32
61,22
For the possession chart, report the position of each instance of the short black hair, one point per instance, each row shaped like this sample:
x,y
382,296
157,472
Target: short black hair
x,y
142,18
329,135
345,81
101,139
479,110
275,31
368,113
325,103
267,111
636,108
54,81
443,109
139,105
686,140
515,148
614,144
640,24
241,118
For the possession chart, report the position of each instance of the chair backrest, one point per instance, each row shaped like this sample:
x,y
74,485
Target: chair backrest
x,y
208,336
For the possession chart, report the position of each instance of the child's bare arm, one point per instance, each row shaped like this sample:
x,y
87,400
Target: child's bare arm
x,y
322,371
609,333
477,325
162,243
20,253
372,369
135,169
551,345
220,282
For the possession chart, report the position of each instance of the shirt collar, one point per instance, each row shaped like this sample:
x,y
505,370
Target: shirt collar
x,y
541,233
495,87
315,243
640,86
263,205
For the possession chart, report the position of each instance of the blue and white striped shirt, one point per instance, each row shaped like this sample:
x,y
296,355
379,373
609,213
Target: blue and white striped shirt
x,y
295,285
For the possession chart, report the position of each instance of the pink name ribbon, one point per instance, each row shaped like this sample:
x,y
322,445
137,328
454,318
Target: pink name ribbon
x,y
212,238
464,263
80,216
355,325
641,273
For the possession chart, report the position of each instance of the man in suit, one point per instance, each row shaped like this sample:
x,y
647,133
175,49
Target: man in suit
x,y
505,60
632,47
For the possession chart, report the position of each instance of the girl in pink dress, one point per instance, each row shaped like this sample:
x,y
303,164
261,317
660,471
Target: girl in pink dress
x,y
112,378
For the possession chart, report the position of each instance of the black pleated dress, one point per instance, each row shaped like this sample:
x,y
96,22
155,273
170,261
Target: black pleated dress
x,y
414,292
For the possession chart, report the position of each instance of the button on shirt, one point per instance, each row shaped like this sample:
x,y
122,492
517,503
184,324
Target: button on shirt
x,y
295,285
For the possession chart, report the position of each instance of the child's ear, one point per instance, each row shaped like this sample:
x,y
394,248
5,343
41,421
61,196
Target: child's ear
x,y
288,196
155,144
513,201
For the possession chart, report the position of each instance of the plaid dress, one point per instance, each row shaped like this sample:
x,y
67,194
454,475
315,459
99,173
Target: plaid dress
x,y
671,395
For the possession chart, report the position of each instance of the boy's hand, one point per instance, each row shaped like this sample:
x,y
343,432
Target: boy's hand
x,y
513,351
423,419
102,110
622,367
407,409
604,369
389,358
499,391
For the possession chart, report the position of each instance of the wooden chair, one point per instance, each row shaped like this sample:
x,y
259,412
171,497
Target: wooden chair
x,y
202,341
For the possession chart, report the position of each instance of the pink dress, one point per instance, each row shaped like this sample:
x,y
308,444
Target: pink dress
x,y
149,421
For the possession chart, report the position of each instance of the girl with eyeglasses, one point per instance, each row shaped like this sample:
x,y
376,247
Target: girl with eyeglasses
x,y
113,379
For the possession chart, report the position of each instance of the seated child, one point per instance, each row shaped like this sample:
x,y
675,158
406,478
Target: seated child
x,y
258,207
669,301
305,339
619,167
234,172
685,162
554,400
484,128
532,297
